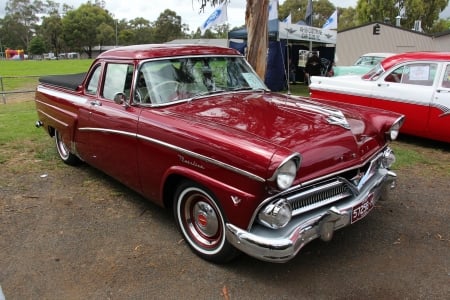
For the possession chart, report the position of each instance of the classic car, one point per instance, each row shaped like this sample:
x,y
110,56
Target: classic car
x,y
362,65
194,129
415,84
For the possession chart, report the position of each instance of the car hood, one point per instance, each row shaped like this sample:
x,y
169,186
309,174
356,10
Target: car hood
x,y
273,126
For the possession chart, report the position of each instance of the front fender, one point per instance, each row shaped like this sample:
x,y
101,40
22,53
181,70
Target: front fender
x,y
237,205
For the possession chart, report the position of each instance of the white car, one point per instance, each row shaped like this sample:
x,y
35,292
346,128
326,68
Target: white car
x,y
362,65
415,84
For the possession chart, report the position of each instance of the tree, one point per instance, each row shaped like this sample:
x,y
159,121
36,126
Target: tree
x,y
80,27
409,11
167,27
51,31
105,34
297,9
37,46
256,20
142,31
24,13
347,18
9,33
441,25
425,11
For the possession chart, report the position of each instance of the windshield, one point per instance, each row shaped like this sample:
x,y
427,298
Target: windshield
x,y
169,80
374,73
368,60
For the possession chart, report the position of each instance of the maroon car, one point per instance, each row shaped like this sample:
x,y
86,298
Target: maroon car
x,y
194,129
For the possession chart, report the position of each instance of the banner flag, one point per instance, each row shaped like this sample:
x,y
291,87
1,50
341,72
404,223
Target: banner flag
x,y
332,22
218,16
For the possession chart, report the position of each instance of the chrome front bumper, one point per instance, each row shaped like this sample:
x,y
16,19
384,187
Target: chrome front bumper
x,y
281,245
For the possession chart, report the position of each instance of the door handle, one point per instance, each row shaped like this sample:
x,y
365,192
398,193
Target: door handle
x,y
96,103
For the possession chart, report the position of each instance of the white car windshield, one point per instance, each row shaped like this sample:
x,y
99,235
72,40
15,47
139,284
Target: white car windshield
x,y
169,80
374,73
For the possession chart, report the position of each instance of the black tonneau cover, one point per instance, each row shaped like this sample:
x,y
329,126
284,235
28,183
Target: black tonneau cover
x,y
70,81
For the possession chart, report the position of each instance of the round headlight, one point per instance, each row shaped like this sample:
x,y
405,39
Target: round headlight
x,y
276,215
286,174
395,130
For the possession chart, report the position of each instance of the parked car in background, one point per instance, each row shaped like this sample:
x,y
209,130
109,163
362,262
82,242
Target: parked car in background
x,y
416,84
194,129
362,65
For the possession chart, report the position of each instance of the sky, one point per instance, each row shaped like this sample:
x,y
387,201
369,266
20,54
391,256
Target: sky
x,y
187,9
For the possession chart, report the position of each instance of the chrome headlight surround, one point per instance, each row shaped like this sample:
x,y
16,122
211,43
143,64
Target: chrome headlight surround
x,y
287,171
276,214
393,132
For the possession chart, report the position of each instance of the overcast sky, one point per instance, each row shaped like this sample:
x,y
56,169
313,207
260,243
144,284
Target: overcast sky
x,y
187,9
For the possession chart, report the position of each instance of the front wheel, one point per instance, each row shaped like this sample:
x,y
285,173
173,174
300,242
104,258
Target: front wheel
x,y
202,224
64,152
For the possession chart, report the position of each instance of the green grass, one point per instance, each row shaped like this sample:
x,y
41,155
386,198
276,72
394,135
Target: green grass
x,y
36,68
18,132
43,67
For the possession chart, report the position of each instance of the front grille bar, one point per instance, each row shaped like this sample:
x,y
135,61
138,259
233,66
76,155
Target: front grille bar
x,y
324,194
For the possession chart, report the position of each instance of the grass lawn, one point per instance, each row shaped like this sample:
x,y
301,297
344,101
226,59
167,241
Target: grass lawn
x,y
43,67
10,69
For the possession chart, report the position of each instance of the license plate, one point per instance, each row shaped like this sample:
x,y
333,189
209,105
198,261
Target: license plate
x,y
362,209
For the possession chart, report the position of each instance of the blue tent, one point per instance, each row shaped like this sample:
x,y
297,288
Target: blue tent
x,y
279,52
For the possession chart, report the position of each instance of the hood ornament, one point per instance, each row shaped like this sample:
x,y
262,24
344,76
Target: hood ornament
x,y
333,116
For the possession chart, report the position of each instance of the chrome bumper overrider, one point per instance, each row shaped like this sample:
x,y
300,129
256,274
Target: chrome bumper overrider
x,y
281,245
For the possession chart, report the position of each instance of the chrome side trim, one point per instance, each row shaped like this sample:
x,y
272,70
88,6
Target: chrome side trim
x,y
203,158
53,118
120,132
59,94
181,150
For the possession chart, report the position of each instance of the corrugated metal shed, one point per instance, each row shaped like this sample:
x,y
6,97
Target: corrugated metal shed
x,y
354,42
442,41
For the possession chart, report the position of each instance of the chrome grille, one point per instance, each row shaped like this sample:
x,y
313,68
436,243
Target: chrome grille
x,y
317,196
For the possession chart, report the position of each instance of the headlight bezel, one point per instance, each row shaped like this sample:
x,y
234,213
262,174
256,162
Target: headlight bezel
x,y
287,171
276,214
394,131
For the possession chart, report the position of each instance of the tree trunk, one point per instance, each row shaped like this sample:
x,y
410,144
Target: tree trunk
x,y
256,20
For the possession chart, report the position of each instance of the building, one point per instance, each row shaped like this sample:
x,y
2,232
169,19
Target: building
x,y
383,37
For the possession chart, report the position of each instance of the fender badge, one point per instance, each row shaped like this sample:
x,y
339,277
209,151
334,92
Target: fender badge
x,y
236,200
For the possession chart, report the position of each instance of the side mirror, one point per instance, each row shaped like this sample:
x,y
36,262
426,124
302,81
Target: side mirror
x,y
121,99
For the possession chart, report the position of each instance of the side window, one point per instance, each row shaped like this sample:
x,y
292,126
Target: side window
x,y
420,74
417,74
92,85
117,80
395,76
446,78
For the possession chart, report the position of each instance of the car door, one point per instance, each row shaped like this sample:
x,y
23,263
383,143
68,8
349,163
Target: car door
x,y
439,116
108,129
408,89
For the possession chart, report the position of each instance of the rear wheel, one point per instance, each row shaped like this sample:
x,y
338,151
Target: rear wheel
x,y
64,152
202,223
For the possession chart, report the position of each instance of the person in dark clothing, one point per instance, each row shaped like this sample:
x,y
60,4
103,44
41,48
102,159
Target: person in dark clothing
x,y
292,71
313,67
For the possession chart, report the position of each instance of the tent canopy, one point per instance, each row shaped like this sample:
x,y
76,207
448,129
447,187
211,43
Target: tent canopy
x,y
292,32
